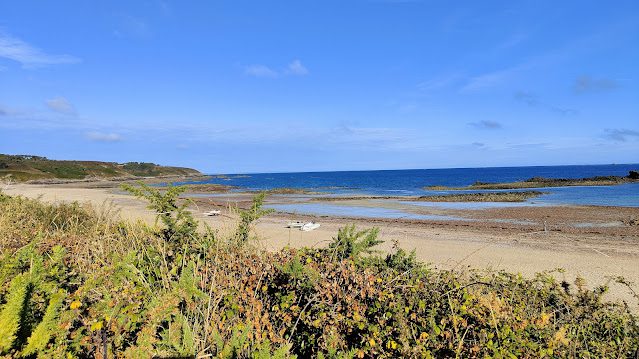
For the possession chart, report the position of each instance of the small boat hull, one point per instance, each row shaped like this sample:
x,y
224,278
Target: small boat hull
x,y
310,226
295,224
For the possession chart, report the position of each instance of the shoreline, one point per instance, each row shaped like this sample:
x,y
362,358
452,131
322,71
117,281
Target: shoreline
x,y
594,253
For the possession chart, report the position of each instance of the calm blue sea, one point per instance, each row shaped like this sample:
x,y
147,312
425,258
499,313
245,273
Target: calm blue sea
x,y
411,182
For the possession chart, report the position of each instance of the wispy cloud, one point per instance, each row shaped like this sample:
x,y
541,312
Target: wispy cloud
x,y
486,124
439,82
533,100
490,79
132,27
512,41
29,56
528,98
103,136
370,137
9,111
585,84
260,71
294,68
508,75
564,111
60,105
620,134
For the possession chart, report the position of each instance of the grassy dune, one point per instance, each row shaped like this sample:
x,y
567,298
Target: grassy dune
x,y
541,182
76,280
24,168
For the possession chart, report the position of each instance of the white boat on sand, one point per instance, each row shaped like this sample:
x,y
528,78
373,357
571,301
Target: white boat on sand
x,y
212,213
309,226
296,224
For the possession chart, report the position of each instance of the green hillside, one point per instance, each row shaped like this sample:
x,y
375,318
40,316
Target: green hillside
x,y
27,167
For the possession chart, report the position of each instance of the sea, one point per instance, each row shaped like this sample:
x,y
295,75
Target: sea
x,y
412,182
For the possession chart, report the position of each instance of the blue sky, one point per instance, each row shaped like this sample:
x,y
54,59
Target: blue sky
x,y
256,86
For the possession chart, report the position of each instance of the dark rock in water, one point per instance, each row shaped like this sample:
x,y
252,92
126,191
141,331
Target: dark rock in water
x,y
633,175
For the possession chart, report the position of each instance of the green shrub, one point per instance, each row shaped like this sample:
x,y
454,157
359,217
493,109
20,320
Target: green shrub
x,y
178,222
351,243
210,296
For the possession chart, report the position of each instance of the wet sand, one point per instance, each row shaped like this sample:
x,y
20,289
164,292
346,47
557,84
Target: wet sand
x,y
596,243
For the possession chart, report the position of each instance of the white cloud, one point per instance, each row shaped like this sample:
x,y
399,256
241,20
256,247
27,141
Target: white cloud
x,y
296,68
103,137
260,71
61,105
30,57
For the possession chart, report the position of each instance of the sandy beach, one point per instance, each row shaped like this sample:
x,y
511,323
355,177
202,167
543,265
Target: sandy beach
x,y
596,243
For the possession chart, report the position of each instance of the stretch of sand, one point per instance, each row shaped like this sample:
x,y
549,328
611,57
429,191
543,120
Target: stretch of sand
x,y
594,257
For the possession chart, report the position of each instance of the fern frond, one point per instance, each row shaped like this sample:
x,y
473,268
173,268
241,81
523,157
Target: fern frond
x,y
45,330
11,315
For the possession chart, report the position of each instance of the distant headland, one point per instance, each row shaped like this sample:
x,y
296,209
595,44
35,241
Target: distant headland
x,y
22,168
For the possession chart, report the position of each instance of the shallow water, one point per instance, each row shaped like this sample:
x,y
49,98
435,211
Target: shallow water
x,y
412,182
626,195
322,209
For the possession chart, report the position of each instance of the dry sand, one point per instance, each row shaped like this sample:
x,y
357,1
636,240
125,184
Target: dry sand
x,y
594,253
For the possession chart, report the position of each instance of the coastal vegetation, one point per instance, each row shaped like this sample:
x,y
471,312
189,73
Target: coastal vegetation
x,y
26,167
541,182
77,282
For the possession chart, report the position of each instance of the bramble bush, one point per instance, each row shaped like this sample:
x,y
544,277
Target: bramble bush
x,y
77,283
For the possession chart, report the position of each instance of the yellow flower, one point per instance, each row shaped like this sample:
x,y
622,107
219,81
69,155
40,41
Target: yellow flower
x,y
76,304
544,319
372,342
560,336
96,326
